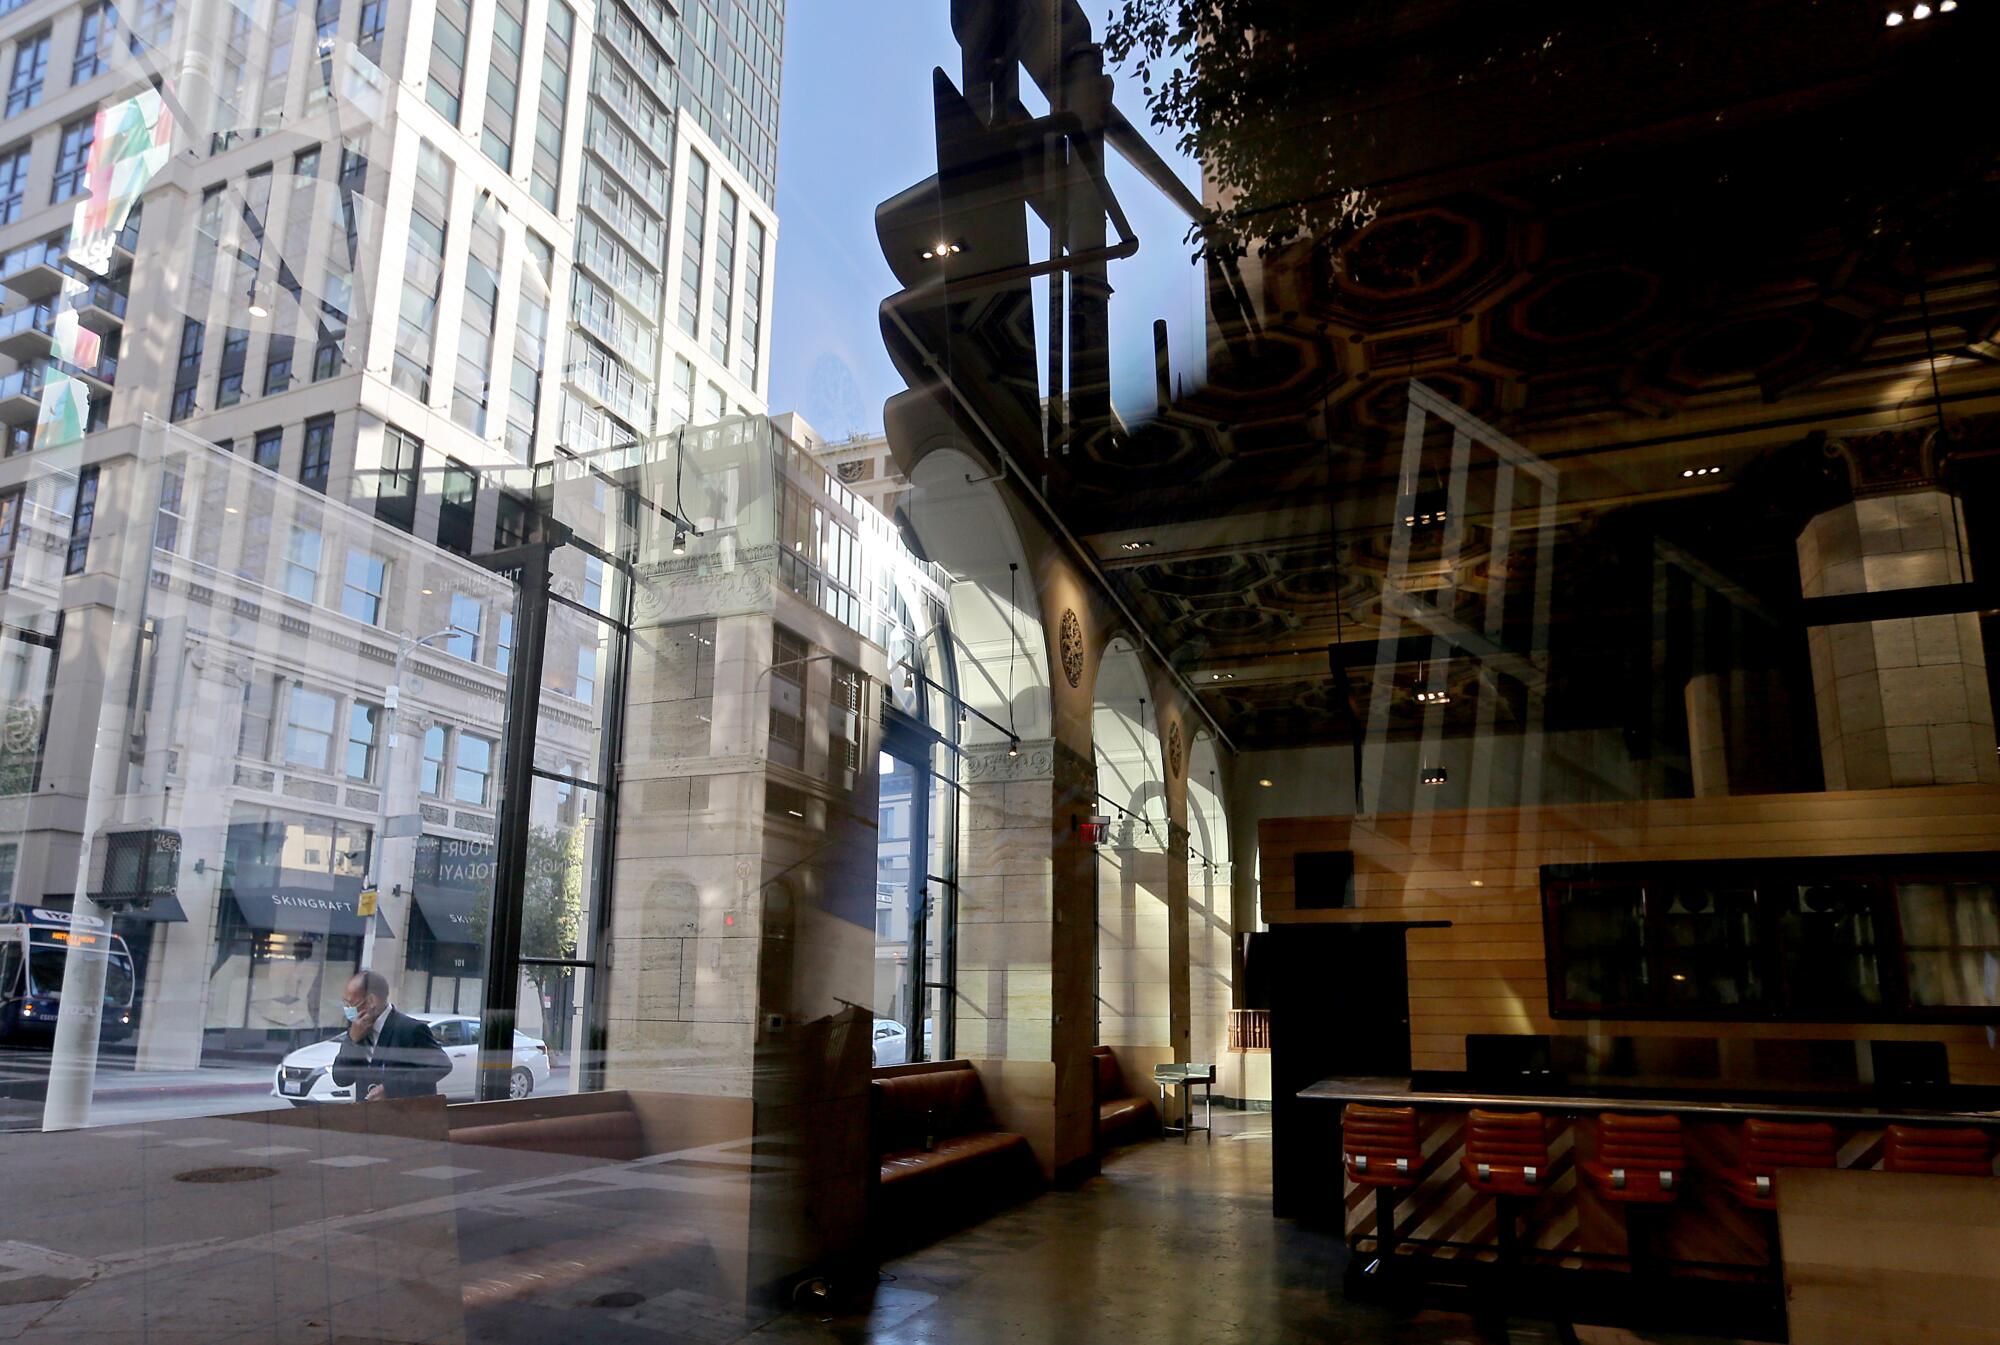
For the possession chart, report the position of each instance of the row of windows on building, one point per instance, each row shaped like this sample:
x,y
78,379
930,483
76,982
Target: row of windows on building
x,y
631,276
248,292
444,87
359,588
291,723
90,57
72,166
731,83
262,36
76,502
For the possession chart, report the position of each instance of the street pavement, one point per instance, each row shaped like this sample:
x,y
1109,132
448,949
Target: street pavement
x,y
124,1095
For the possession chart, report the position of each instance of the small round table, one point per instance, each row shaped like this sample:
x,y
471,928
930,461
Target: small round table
x,y
1182,1077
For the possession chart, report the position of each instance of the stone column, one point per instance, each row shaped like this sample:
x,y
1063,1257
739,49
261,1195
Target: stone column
x,y
1903,701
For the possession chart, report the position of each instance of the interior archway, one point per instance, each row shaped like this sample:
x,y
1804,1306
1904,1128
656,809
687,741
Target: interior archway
x,y
1211,927
1134,974
996,626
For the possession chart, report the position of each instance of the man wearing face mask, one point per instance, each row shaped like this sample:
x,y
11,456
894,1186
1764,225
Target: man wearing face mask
x,y
387,1053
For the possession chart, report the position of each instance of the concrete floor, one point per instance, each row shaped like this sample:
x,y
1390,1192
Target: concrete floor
x,y
1172,1245
361,1227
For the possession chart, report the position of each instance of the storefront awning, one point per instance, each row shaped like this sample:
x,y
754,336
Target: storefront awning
x,y
454,915
160,910
453,883
328,907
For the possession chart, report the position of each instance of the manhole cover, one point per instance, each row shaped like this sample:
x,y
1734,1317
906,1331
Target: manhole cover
x,y
210,1175
623,1298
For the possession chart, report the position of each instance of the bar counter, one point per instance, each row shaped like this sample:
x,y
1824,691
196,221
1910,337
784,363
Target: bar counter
x,y
1393,1092
1705,1232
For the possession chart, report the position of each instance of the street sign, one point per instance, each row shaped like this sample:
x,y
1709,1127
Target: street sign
x,y
365,904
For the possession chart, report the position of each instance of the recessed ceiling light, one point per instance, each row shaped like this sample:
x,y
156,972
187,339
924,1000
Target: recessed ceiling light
x,y
1920,12
429,591
1895,17
1479,882
1265,783
1142,545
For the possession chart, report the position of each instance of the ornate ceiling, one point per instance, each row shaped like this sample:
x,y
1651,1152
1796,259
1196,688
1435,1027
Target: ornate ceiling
x,y
1711,293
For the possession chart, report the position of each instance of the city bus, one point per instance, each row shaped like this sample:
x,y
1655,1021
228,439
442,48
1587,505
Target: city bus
x,y
34,948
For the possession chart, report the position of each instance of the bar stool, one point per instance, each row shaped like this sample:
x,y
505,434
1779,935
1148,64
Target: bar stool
x,y
1507,1157
1640,1161
1770,1145
1381,1149
1958,1153
1766,1147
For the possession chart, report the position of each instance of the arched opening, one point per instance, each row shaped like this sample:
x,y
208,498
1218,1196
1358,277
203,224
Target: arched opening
x,y
1211,926
985,981
1134,973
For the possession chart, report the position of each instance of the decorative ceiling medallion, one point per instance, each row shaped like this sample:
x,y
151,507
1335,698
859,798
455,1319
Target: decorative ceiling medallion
x,y
1071,638
1174,752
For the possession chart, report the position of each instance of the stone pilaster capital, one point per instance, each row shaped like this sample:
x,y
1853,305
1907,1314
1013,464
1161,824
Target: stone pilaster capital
x,y
1887,461
989,763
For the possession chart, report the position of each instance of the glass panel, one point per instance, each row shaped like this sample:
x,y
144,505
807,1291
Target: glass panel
x,y
1710,946
1951,942
1602,934
563,836
899,892
1831,934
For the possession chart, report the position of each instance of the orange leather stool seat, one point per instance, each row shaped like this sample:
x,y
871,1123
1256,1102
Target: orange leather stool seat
x,y
1380,1146
1640,1159
1958,1153
1770,1145
1506,1153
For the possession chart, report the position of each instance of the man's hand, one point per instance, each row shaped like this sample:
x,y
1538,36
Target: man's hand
x,y
375,1094
359,1029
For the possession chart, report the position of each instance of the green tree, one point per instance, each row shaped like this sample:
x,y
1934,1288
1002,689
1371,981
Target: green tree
x,y
1225,77
551,902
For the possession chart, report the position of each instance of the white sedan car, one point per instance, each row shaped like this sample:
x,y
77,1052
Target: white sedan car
x,y
892,1042
305,1075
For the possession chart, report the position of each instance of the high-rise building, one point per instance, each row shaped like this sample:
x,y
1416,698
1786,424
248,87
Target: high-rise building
x,y
399,257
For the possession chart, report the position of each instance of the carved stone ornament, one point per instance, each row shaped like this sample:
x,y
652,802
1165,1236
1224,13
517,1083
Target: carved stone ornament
x,y
989,763
1070,639
1174,752
1888,460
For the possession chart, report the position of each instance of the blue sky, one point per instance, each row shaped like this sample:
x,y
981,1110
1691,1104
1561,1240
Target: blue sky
x,y
855,128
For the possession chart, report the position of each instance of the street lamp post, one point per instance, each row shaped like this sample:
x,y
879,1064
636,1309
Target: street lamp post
x,y
391,697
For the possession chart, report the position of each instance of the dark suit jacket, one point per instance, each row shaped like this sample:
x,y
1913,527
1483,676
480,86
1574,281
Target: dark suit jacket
x,y
407,1062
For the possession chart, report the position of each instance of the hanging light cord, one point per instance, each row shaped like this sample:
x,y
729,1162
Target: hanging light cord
x,y
1937,390
1013,640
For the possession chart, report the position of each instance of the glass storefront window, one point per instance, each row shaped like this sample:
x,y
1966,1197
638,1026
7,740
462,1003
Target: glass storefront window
x,y
1525,488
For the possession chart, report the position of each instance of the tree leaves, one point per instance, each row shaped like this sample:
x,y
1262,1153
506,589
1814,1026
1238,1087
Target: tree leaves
x,y
1227,77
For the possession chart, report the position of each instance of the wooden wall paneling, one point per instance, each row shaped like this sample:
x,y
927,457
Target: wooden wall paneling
x,y
1487,972
1882,1258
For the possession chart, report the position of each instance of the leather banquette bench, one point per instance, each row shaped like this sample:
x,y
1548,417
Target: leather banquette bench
x,y
941,1157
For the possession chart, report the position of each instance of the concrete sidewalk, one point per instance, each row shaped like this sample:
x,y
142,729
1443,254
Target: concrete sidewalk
x,y
122,1094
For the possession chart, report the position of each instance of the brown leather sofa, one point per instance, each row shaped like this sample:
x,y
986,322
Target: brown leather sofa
x,y
1122,1115
941,1156
613,1134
